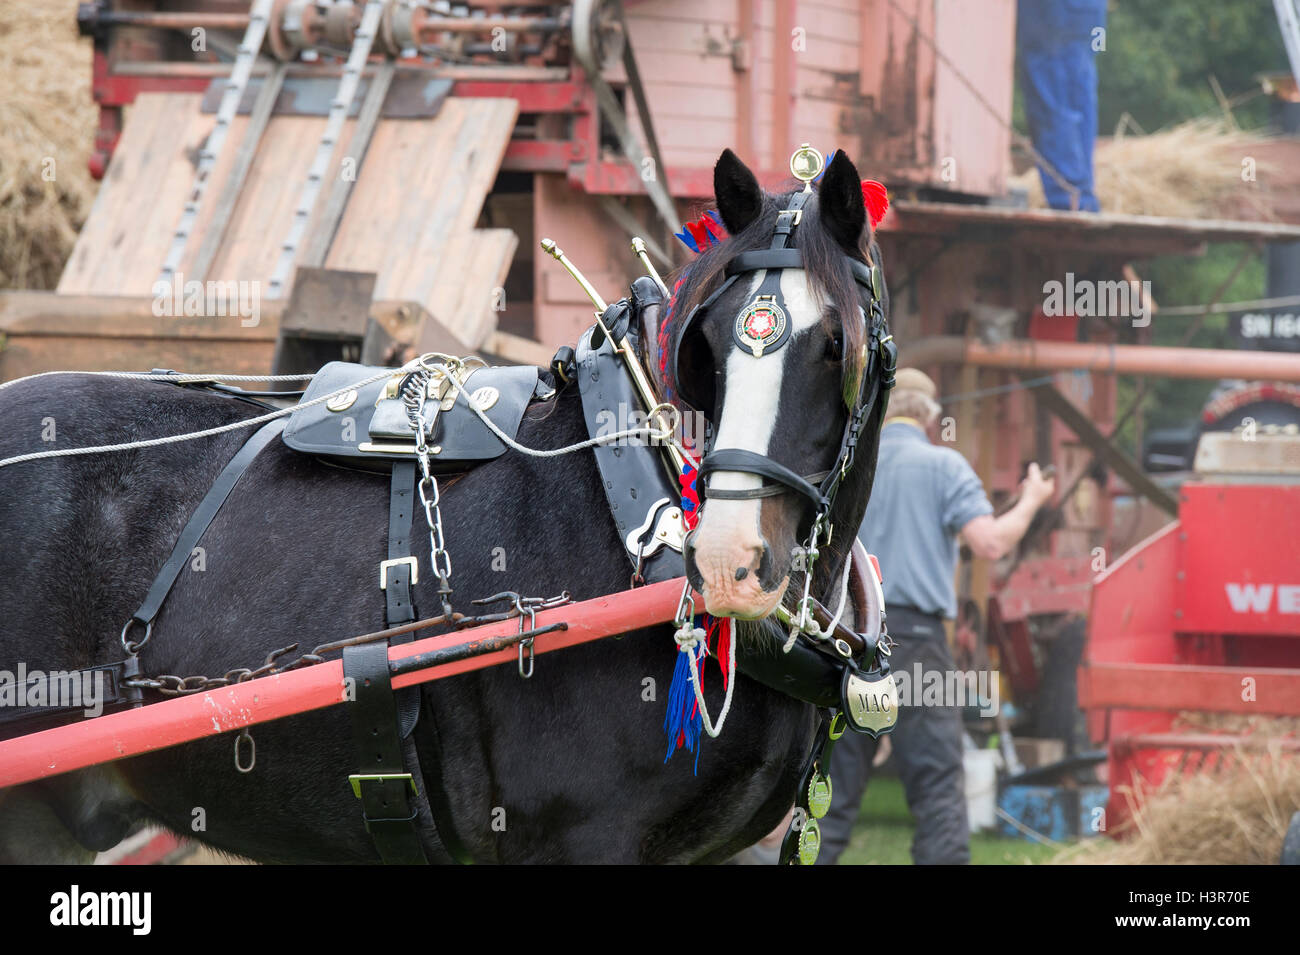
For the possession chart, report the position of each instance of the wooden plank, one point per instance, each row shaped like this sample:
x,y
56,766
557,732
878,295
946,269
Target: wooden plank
x,y
446,168
522,351
215,229
470,282
50,315
45,331
266,205
125,238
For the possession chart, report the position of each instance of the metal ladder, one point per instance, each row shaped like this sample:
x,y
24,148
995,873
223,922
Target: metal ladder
x,y
259,18
339,107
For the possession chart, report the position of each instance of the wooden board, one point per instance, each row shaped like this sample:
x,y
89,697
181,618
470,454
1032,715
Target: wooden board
x,y
412,235
121,247
46,331
410,218
469,286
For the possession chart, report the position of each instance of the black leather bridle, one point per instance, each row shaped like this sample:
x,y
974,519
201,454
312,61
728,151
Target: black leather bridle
x,y
875,380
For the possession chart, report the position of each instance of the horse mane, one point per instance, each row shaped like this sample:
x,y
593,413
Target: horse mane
x,y
830,281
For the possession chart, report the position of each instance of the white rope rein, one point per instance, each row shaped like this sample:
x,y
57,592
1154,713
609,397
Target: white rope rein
x,y
844,593
188,436
839,611
688,637
176,376
664,433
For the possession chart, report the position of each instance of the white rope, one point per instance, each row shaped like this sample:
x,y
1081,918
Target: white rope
x,y
816,630
192,435
173,376
661,434
688,637
844,594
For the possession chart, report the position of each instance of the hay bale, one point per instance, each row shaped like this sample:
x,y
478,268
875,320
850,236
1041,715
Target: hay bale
x,y
1236,814
47,127
1187,171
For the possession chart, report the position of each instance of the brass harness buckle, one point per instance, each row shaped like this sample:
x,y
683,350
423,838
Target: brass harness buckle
x,y
356,779
385,565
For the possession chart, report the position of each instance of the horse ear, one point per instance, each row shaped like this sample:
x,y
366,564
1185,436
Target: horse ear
x,y
740,199
843,212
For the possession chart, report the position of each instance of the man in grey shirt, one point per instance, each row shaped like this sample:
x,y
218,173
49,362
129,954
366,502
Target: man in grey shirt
x,y
924,498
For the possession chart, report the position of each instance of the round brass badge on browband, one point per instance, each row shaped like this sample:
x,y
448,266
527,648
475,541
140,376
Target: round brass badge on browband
x,y
762,325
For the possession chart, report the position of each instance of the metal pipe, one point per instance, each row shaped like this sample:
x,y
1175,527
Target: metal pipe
x,y
487,24
163,20
638,247
1205,363
1206,742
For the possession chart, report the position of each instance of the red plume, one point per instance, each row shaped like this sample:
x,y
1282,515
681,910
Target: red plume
x,y
876,198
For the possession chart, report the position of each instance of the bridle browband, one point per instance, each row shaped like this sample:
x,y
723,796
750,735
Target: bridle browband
x,y
769,333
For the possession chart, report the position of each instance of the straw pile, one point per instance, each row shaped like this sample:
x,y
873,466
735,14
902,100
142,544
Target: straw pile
x,y
47,126
1236,815
1187,171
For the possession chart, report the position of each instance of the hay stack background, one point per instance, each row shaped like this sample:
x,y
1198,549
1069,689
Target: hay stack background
x,y
1186,171
46,113
1236,815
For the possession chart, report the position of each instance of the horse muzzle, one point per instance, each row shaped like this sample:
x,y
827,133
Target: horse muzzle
x,y
733,572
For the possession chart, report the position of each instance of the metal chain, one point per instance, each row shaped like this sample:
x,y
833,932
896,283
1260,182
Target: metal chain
x,y
169,684
415,395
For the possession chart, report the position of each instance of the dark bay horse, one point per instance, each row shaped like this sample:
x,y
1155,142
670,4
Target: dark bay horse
x,y
565,767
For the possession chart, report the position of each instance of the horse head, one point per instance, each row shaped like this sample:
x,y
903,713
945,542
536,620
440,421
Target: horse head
x,y
772,341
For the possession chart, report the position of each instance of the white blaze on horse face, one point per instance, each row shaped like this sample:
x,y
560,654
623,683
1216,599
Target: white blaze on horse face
x,y
728,536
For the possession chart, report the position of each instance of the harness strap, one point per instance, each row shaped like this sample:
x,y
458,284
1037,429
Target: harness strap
x,y
427,743
194,528
788,218
387,791
398,572
802,843
863,274
737,459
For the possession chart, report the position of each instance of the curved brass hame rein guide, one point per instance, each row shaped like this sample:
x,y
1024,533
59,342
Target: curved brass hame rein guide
x,y
645,391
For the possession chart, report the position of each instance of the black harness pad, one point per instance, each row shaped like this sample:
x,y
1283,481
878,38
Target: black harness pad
x,y
632,472
375,428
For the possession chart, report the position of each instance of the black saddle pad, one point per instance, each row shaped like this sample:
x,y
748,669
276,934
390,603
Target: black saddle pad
x,y
366,424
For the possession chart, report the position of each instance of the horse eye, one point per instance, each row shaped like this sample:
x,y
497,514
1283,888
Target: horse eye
x,y
835,347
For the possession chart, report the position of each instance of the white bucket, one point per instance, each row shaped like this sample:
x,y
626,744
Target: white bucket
x,y
981,766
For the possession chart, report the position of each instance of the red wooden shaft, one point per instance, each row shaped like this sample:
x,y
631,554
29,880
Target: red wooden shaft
x,y
186,718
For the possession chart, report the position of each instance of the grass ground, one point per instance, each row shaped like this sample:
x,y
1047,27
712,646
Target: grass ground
x,y
883,835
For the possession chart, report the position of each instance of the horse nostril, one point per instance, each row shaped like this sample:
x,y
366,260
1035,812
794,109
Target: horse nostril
x,y
765,569
742,573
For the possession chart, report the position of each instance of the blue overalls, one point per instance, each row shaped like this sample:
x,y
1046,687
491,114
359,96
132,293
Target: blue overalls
x,y
1058,75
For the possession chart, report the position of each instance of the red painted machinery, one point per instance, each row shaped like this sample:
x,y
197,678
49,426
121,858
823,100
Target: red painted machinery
x,y
1202,617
